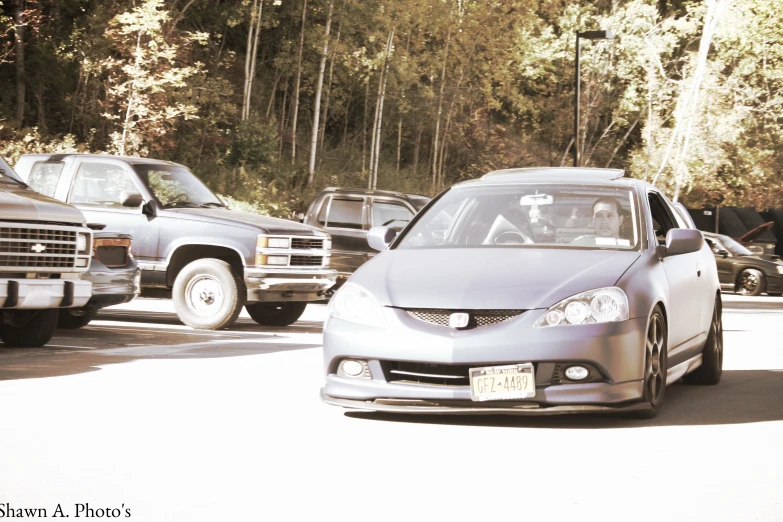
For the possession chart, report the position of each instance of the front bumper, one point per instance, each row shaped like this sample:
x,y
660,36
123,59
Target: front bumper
x,y
37,294
112,286
614,350
269,284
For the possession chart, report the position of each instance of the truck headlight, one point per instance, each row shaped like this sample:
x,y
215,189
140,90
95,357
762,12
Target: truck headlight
x,y
82,243
779,268
327,244
602,305
273,242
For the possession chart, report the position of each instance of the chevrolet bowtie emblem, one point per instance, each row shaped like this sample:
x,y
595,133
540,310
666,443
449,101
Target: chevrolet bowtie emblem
x,y
459,320
38,248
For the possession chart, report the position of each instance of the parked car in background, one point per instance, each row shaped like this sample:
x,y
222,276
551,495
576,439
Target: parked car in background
x,y
115,276
44,251
490,314
742,271
349,213
211,260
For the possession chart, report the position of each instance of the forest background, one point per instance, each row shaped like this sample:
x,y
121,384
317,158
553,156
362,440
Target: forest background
x,y
269,101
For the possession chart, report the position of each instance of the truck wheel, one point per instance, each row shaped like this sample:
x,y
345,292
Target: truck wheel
x,y
29,328
208,295
276,314
73,318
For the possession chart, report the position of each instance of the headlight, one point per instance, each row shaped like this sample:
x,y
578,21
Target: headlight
x,y
355,304
272,242
779,268
327,244
82,243
603,305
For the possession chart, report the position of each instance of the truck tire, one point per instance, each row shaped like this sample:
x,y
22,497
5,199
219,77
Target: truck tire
x,y
276,314
29,328
73,318
208,295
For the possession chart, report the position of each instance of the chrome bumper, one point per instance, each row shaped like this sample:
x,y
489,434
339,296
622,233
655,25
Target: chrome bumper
x,y
36,294
287,285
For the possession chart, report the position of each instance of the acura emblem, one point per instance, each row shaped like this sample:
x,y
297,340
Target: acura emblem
x,y
459,320
38,248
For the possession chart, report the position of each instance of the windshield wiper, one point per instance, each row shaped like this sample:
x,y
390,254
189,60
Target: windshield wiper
x,y
175,204
213,204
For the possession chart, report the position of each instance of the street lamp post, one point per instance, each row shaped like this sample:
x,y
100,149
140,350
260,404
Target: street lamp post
x,y
588,35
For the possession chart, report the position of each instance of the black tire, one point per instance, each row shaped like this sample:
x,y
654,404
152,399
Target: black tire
x,y
750,282
774,294
208,294
69,320
29,328
711,368
276,314
655,366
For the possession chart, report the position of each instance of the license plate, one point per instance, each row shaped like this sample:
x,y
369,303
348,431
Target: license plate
x,y
498,383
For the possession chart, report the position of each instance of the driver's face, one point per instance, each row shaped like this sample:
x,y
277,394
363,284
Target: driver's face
x,y
606,220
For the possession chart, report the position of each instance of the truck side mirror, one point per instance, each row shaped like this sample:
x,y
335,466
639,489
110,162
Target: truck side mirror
x,y
131,199
379,238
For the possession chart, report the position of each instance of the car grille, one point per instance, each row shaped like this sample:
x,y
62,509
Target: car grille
x,y
25,247
426,373
477,319
300,243
430,373
306,261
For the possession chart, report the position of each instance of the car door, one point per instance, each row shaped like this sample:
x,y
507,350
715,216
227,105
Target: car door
x,y
725,271
686,291
345,218
96,189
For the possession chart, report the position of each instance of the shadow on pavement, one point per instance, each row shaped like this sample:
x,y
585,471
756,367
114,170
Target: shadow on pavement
x,y
151,335
742,396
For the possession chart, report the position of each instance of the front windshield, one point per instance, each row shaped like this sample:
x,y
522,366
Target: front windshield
x,y
734,248
529,215
176,186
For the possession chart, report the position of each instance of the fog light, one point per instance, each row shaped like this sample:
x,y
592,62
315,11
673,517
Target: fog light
x,y
81,262
354,368
577,373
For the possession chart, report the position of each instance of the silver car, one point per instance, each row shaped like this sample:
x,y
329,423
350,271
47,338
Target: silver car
x,y
529,291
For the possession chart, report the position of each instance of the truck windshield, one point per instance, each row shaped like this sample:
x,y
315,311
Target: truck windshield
x,y
176,186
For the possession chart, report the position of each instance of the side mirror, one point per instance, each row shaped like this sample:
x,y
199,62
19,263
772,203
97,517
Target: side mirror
x,y
681,241
131,199
723,253
379,238
149,209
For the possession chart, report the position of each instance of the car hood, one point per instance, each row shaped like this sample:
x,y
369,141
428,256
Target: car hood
x,y
19,203
488,278
265,224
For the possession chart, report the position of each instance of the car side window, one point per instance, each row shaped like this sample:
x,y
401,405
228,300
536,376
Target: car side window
x,y
386,213
345,213
44,177
100,185
663,220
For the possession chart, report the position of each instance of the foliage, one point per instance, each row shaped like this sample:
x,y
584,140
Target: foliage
x,y
472,86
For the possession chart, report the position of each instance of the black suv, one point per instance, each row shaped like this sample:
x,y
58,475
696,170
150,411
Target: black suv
x,y
349,213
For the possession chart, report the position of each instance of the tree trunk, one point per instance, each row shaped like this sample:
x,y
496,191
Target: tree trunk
x,y
416,150
364,126
19,61
251,59
319,86
382,97
329,87
437,117
271,105
448,127
282,120
295,114
399,143
131,96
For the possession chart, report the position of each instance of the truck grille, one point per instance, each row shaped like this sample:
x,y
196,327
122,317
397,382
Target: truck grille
x,y
30,248
477,317
306,261
300,243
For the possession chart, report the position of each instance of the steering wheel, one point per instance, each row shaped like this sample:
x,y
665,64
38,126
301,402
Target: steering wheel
x,y
512,237
182,196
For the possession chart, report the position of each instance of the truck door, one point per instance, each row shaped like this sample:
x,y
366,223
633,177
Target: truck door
x,y
344,218
96,189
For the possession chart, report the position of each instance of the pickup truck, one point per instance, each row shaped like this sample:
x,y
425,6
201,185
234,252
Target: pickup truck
x,y
45,248
211,260
347,214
